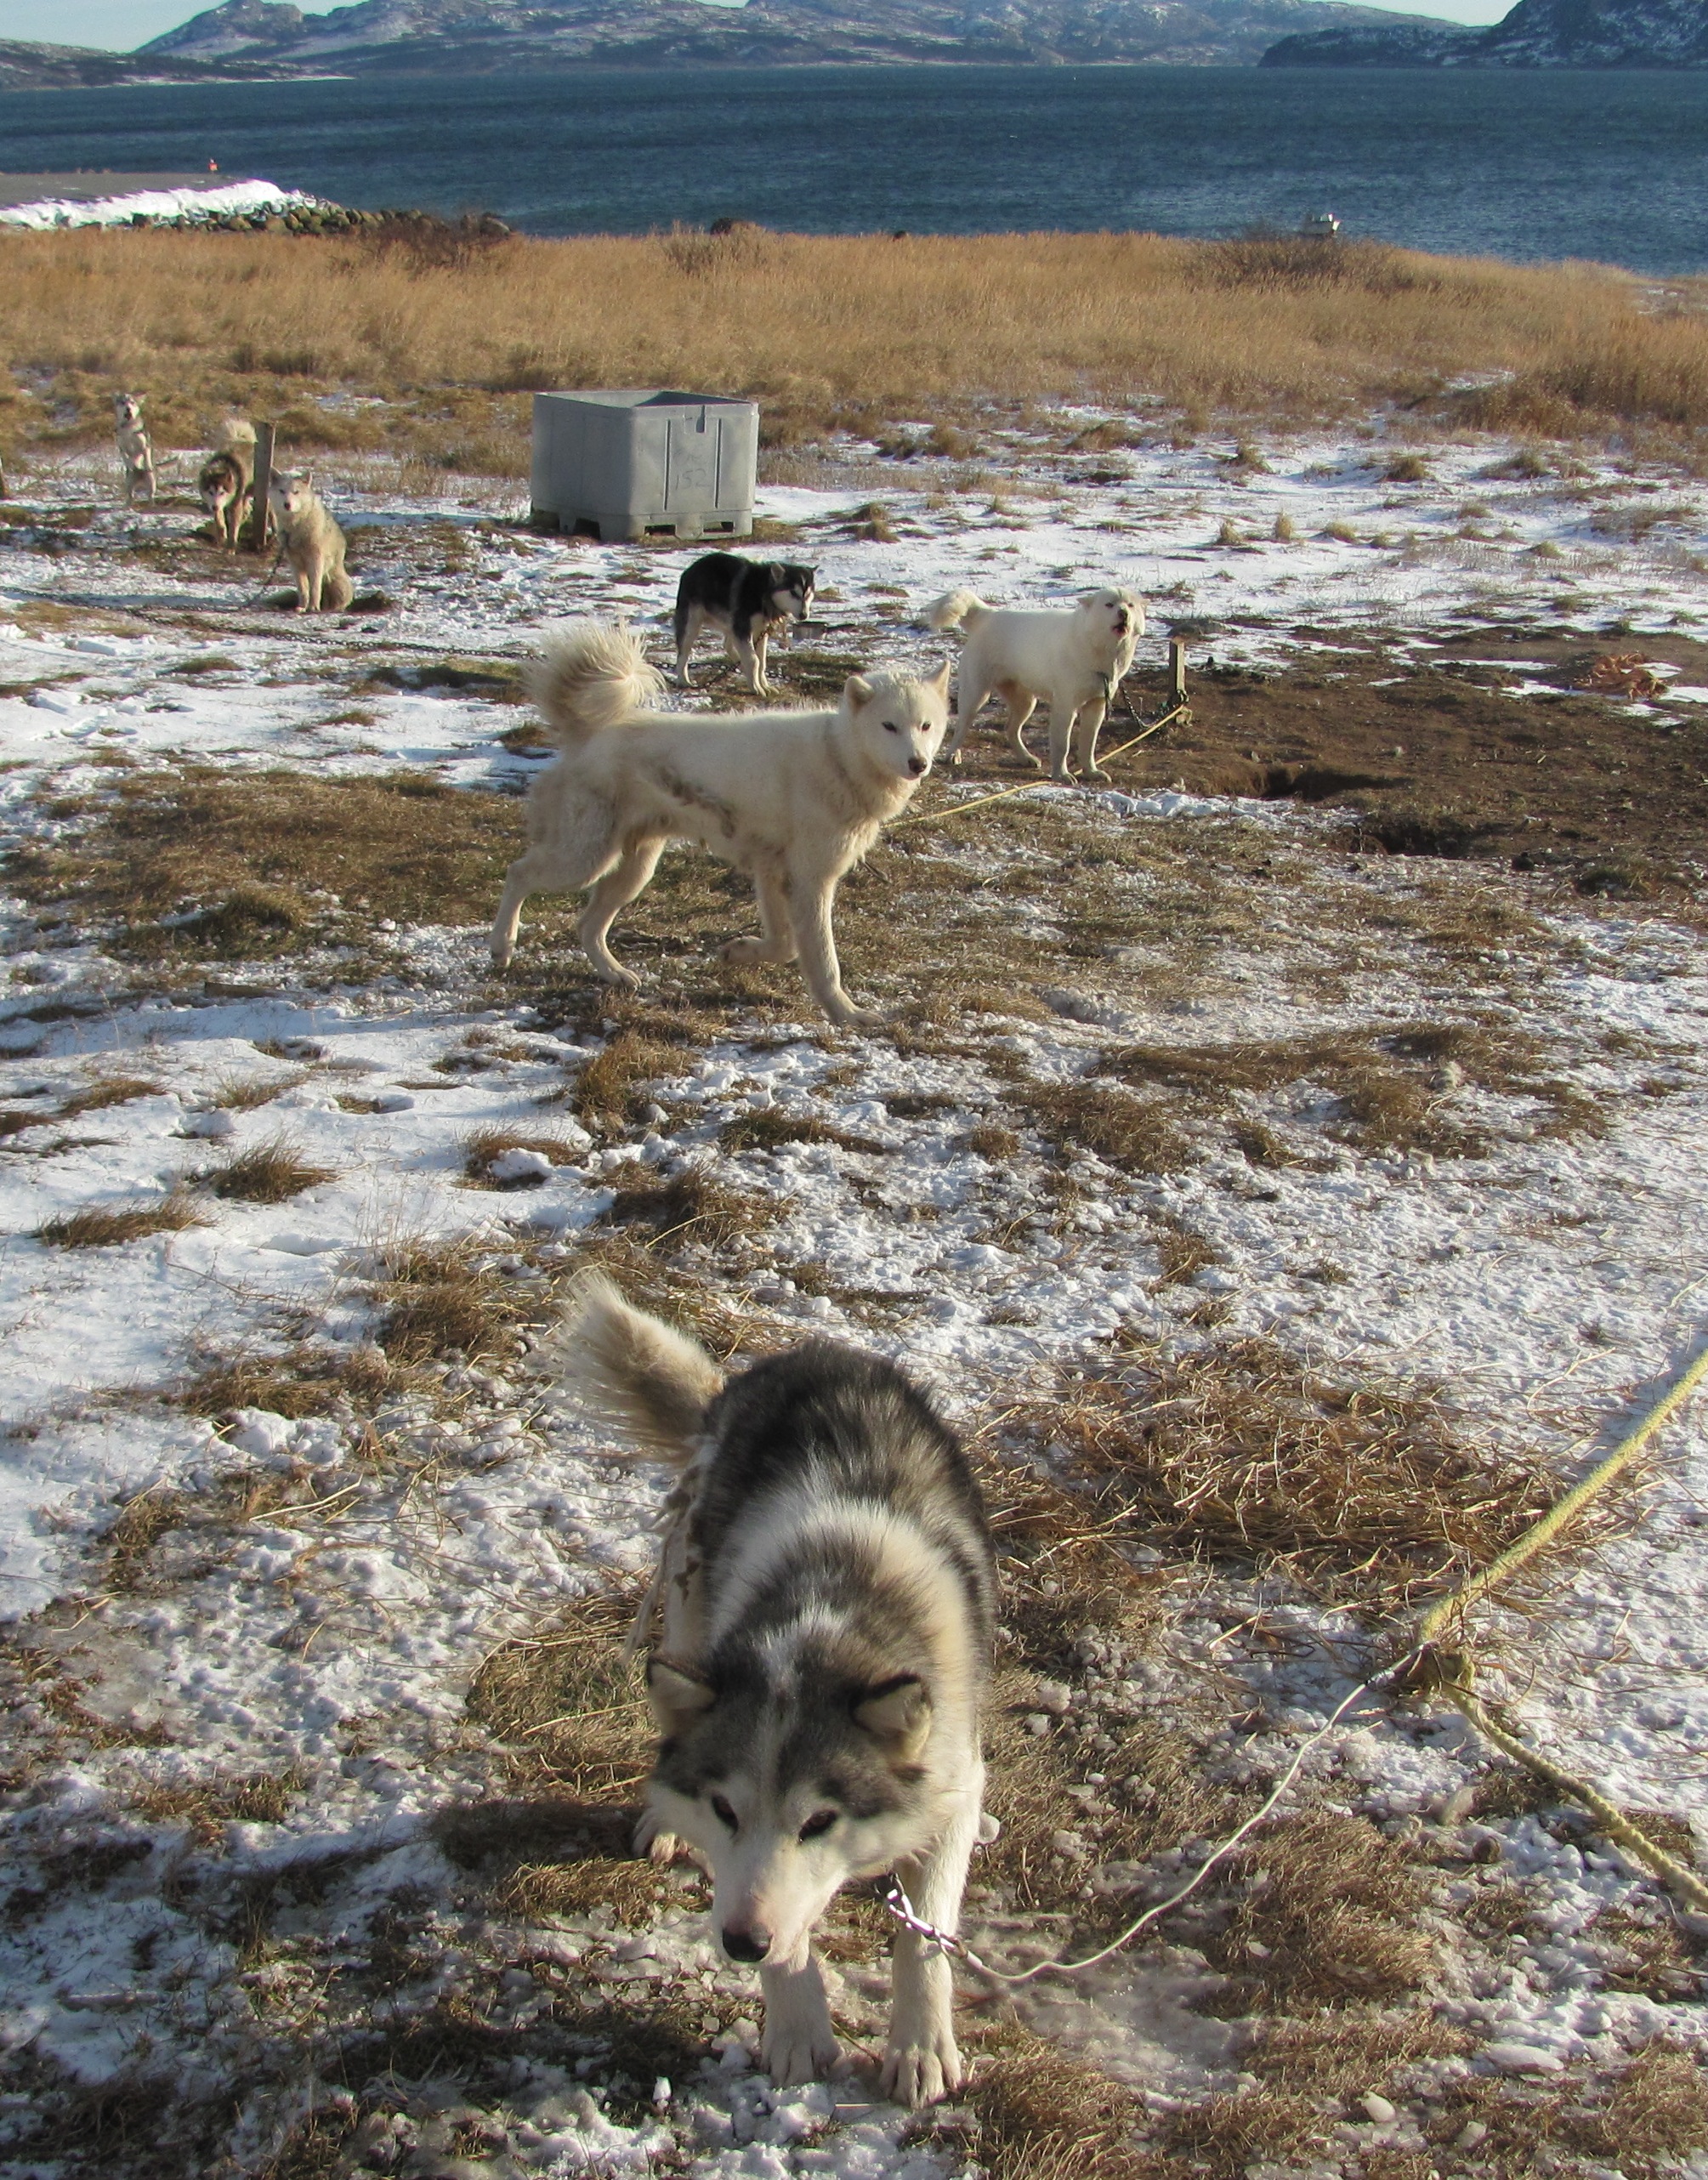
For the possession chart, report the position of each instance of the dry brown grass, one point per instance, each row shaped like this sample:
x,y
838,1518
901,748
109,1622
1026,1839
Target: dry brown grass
x,y
1039,2115
132,1540
245,1093
1068,1596
1642,2119
573,1716
439,1302
1364,1493
767,1130
1309,2075
1134,1133
270,1173
817,327
107,1090
307,1379
482,1146
691,1205
95,1228
1332,1904
248,853
1394,1087
606,1093
205,1806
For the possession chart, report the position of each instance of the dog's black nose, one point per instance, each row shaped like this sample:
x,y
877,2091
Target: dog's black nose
x,y
917,766
748,1946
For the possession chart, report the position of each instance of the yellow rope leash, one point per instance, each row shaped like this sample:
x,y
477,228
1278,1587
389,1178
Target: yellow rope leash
x,y
1551,1523
1025,788
1451,1672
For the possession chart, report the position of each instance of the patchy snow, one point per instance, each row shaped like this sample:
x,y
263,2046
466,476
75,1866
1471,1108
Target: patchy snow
x,y
1552,1287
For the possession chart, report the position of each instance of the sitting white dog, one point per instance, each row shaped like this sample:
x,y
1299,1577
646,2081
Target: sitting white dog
x,y
1075,659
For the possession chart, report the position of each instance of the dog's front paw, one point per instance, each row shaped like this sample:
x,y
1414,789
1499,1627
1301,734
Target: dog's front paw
x,y
860,1018
793,2051
745,950
920,2071
1095,775
651,1840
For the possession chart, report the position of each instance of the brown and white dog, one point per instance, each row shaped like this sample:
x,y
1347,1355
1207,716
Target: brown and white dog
x,y
227,481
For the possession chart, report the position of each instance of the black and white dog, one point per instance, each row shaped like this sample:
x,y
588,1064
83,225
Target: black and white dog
x,y
829,1602
744,600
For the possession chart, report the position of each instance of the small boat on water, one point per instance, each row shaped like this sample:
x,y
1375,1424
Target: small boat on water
x,y
1320,223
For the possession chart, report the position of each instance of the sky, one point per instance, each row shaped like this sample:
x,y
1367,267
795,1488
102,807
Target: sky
x,y
122,24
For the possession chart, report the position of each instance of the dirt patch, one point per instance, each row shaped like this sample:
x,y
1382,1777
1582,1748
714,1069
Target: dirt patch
x,y
1437,760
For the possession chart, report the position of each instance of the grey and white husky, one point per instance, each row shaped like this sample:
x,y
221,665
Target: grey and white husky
x,y
829,1603
136,451
744,600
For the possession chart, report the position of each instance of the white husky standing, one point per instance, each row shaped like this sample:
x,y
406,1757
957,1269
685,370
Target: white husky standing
x,y
793,798
829,1608
136,453
1075,659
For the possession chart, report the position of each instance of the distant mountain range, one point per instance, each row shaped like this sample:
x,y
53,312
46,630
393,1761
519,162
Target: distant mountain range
x,y
274,38
1536,34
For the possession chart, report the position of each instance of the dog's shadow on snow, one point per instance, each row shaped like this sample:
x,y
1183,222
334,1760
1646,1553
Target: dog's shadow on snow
x,y
543,1854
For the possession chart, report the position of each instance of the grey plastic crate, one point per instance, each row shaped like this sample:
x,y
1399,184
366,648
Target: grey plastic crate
x,y
623,462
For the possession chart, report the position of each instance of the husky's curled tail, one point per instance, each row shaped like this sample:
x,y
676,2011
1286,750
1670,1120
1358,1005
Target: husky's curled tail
x,y
958,608
648,1378
594,676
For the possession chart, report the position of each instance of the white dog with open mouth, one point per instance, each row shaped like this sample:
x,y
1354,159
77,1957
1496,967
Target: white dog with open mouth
x,y
1076,659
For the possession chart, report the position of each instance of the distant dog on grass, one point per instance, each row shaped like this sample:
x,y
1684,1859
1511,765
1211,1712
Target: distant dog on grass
x,y
311,541
136,454
745,600
1076,660
829,1609
793,798
227,481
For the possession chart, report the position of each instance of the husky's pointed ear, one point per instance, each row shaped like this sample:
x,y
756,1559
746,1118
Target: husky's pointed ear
x,y
858,690
939,680
676,1695
898,1713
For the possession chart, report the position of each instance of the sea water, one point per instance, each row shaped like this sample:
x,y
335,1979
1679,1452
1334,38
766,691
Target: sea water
x,y
1519,164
